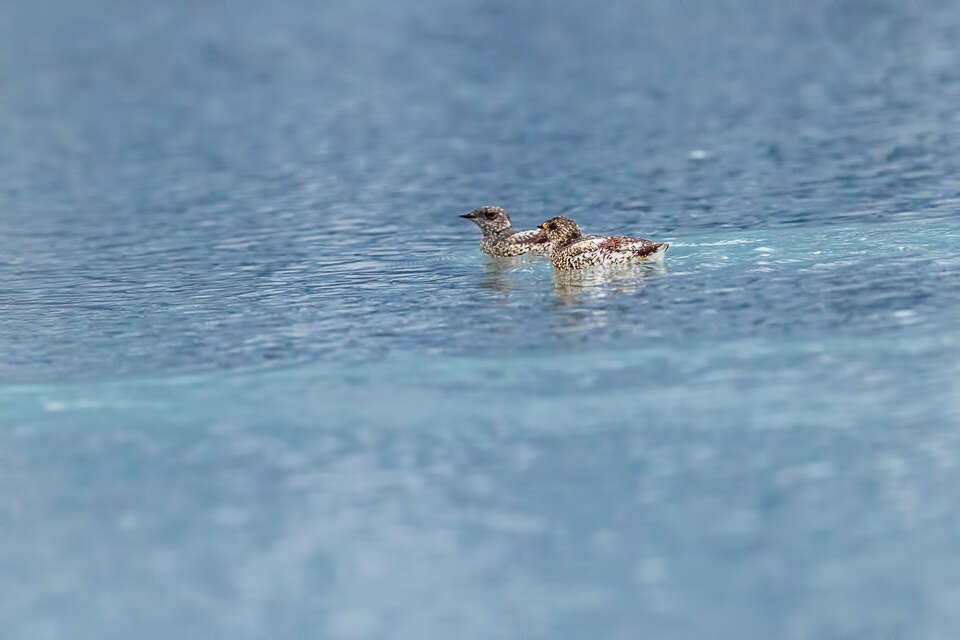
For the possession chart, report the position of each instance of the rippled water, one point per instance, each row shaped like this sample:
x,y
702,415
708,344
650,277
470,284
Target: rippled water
x,y
257,381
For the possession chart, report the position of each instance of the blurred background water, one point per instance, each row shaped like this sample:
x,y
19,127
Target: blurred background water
x,y
257,381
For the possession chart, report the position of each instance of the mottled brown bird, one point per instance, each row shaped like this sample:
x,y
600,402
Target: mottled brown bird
x,y
499,237
570,249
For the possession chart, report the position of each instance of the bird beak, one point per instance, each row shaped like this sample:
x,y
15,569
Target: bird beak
x,y
468,216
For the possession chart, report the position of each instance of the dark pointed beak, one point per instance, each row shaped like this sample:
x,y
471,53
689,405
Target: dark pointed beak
x,y
468,216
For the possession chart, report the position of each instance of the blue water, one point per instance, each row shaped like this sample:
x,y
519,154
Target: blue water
x,y
257,380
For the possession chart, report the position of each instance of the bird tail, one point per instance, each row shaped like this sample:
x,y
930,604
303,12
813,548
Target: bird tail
x,y
659,248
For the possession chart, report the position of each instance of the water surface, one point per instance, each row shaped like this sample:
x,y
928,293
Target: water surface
x,y
257,381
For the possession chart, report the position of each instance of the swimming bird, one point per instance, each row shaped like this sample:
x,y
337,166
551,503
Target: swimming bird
x,y
570,249
499,238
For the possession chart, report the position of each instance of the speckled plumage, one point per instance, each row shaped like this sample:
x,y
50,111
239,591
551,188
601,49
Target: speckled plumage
x,y
499,237
570,249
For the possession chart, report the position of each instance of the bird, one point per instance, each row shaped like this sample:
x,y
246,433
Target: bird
x,y
499,237
570,249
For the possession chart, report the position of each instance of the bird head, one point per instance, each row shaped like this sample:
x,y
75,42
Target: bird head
x,y
489,219
561,230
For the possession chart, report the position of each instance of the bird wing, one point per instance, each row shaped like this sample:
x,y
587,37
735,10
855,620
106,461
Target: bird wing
x,y
587,243
600,250
531,236
639,246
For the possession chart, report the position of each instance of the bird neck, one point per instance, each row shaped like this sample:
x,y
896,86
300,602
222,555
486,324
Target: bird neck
x,y
496,234
567,240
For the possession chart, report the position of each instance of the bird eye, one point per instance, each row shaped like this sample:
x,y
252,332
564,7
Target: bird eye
x,y
490,215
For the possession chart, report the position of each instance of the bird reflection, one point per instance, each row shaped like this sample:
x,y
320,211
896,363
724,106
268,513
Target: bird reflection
x,y
571,286
496,278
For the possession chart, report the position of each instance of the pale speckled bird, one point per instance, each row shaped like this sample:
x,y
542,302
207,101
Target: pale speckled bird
x,y
570,249
499,237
